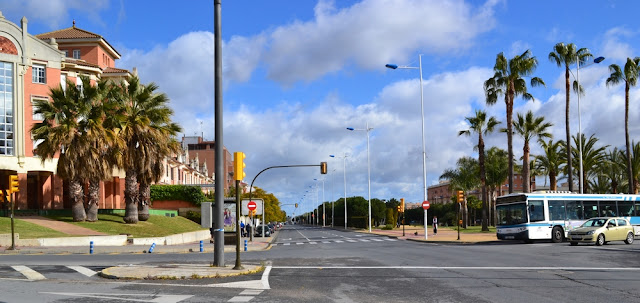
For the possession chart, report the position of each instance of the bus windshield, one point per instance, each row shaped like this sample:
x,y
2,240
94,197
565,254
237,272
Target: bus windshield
x,y
511,214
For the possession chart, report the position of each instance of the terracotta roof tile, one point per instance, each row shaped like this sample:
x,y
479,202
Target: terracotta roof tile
x,y
69,33
110,70
80,62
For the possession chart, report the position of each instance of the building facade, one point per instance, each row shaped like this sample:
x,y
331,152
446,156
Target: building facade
x,y
442,192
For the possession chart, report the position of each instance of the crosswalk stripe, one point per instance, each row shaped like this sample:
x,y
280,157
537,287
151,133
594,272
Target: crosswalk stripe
x,y
377,240
83,270
352,241
338,241
326,242
391,239
313,243
299,243
28,272
287,244
364,240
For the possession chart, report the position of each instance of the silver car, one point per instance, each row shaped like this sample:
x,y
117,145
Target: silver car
x,y
602,230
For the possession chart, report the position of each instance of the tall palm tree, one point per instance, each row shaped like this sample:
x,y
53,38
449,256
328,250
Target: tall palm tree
x,y
635,167
549,163
73,127
528,127
508,81
630,77
146,124
592,156
497,172
566,55
464,177
481,126
612,168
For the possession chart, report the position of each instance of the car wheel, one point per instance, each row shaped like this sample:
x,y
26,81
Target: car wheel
x,y
600,240
574,243
557,234
629,239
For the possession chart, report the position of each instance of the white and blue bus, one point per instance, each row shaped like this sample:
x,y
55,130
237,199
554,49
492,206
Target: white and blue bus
x,y
550,215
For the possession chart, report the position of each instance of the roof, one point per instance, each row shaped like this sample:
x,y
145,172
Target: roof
x,y
80,62
74,33
113,70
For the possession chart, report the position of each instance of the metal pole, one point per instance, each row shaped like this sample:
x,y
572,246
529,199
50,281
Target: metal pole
x,y
344,164
424,153
218,236
323,202
369,174
238,265
579,124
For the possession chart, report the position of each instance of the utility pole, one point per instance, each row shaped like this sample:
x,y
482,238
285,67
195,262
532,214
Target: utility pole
x,y
218,229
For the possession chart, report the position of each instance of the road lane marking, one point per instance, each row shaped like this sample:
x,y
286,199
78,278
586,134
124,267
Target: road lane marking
x,y
299,243
287,244
364,240
338,241
467,268
83,270
251,292
302,235
241,299
28,272
326,242
352,241
313,243
126,297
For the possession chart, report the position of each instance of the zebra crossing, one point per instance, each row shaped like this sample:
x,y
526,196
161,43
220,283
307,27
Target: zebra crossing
x,y
333,241
44,272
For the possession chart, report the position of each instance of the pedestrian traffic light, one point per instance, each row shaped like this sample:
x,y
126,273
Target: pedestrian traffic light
x,y
238,165
323,168
460,196
13,184
402,205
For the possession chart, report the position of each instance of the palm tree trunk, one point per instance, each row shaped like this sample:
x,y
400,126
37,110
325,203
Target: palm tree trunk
x,y
552,181
94,197
509,101
567,130
632,189
77,200
526,180
131,197
483,181
143,203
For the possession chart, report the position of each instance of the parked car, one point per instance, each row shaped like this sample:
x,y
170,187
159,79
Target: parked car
x,y
602,230
259,228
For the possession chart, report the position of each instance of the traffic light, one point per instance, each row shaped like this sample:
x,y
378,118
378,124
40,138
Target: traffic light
x,y
1,196
323,168
399,210
238,166
13,184
296,205
460,196
402,205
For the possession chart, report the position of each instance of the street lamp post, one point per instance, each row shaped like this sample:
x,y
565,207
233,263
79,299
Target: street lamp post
x,y
424,154
344,164
595,61
367,129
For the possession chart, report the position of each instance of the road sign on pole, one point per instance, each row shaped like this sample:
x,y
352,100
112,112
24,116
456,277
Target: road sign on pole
x,y
251,205
426,205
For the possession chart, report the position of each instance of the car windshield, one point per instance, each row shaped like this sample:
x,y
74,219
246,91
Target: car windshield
x,y
594,223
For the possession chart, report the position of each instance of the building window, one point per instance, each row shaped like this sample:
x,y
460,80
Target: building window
x,y
39,73
76,54
66,53
6,108
37,117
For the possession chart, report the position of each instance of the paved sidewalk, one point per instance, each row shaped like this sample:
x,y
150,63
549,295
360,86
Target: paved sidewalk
x,y
60,226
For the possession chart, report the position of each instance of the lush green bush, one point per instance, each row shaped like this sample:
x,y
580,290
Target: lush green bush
x,y
177,192
193,216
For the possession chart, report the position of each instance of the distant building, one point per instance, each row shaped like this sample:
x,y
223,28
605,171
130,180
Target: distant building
x,y
442,193
205,151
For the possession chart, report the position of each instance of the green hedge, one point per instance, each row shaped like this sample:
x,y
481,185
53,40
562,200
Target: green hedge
x,y
177,192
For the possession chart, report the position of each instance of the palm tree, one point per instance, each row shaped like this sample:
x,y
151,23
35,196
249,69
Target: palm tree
x,y
630,77
611,168
464,177
591,157
508,81
497,172
529,127
635,167
73,126
146,124
550,162
480,125
565,55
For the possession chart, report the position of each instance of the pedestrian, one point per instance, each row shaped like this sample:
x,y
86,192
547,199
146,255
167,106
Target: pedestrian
x,y
435,225
242,228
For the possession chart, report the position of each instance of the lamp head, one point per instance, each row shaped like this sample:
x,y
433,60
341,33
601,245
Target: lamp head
x,y
350,128
332,156
598,60
391,66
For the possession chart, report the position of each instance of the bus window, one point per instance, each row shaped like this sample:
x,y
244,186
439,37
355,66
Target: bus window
x,y
536,211
574,210
590,209
625,208
637,208
556,210
608,209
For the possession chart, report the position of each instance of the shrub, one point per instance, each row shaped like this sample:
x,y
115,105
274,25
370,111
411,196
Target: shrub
x,y
193,216
177,192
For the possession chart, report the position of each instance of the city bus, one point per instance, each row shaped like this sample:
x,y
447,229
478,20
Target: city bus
x,y
550,215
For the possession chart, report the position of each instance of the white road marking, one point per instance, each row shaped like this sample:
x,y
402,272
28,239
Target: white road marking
x,y
467,268
83,270
302,235
326,242
29,273
377,240
364,240
338,241
389,239
251,292
299,243
287,244
352,241
265,277
313,243
241,299
126,297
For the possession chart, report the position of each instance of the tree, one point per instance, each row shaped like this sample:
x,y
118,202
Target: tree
x,y
630,77
549,163
566,55
145,124
464,177
153,173
481,126
528,127
591,157
635,167
612,169
508,81
497,173
73,126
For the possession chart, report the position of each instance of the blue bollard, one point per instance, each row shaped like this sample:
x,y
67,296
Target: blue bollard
x,y
152,247
245,245
201,246
91,247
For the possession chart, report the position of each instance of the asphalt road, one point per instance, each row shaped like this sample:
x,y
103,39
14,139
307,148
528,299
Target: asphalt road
x,y
311,264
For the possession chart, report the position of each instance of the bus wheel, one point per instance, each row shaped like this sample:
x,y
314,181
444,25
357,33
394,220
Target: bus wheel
x,y
600,240
557,235
629,239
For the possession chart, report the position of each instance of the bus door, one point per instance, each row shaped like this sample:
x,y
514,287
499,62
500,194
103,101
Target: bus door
x,y
575,214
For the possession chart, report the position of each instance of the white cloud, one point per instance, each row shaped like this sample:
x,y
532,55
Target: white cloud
x,y
616,50
55,13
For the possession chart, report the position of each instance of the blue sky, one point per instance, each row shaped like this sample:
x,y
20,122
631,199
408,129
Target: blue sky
x,y
297,73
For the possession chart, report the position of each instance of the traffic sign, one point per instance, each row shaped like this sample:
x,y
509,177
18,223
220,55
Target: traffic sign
x,y
426,205
251,205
